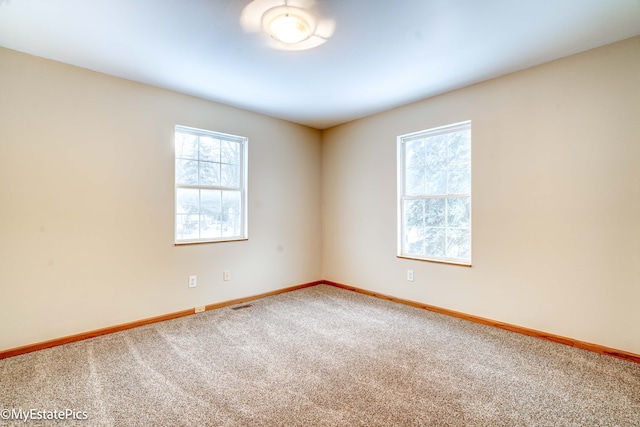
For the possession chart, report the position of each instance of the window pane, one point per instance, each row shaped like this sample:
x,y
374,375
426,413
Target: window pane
x,y
230,152
209,226
436,148
209,149
209,173
458,212
211,202
436,177
414,213
187,226
230,176
231,208
436,164
186,146
434,212
459,150
459,243
414,241
460,179
415,182
186,172
415,154
187,201
435,242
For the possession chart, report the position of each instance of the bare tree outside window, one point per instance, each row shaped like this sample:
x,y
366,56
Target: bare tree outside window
x,y
211,190
434,194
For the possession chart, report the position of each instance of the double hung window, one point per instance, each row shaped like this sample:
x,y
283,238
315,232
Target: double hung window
x,y
210,186
434,194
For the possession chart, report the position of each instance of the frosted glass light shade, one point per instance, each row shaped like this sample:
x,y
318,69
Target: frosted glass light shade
x,y
289,28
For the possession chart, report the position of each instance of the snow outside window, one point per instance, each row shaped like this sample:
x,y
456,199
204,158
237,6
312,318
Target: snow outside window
x,y
434,194
210,186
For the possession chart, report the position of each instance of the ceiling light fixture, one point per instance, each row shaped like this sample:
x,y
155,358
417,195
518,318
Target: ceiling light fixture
x,y
289,28
287,24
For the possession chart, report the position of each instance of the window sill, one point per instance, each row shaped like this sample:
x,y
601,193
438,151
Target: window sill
x,y
199,242
439,261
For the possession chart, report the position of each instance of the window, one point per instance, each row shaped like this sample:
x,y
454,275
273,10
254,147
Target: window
x,y
434,194
211,186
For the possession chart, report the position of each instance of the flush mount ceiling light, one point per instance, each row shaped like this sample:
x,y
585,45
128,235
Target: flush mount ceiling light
x,y
289,28
287,24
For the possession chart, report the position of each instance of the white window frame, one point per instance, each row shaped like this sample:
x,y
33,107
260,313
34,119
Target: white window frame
x,y
402,196
242,186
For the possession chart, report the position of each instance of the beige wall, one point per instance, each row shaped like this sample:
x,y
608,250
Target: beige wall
x,y
86,213
86,190
556,199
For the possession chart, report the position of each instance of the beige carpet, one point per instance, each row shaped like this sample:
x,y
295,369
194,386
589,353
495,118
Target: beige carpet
x,y
322,356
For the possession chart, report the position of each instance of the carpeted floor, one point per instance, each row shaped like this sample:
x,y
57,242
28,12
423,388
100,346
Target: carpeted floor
x,y
322,356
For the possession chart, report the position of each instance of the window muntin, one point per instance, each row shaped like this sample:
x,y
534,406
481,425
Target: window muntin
x,y
434,194
210,186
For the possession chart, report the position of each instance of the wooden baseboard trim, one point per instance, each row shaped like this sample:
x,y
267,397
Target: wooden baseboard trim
x,y
266,294
130,325
596,348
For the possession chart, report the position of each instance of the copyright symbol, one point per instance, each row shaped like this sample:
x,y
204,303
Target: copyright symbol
x,y
5,414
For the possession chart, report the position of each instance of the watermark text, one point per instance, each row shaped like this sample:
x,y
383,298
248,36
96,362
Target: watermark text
x,y
39,414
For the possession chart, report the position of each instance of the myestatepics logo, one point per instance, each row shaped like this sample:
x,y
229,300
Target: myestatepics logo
x,y
39,415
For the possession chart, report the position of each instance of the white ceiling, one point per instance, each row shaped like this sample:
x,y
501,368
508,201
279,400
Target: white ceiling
x,y
382,54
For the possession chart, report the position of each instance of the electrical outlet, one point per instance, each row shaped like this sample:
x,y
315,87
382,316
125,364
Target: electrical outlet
x,y
193,281
226,275
200,309
410,275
